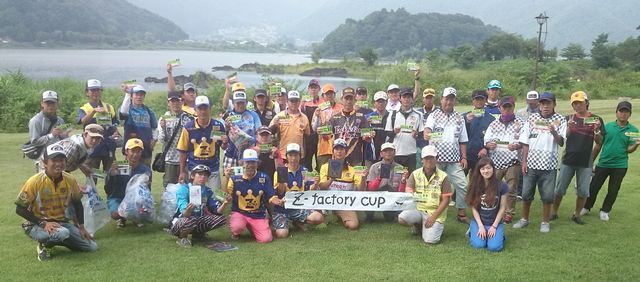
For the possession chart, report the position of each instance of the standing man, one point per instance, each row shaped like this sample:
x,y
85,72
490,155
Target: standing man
x,y
618,143
494,87
362,99
321,118
393,92
169,128
501,140
241,125
291,125
198,144
281,101
43,201
308,108
476,122
264,112
139,120
445,129
583,128
44,127
403,126
431,186
346,125
533,106
378,121
543,134
428,97
103,114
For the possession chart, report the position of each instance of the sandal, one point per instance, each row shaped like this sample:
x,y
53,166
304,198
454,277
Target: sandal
x,y
463,219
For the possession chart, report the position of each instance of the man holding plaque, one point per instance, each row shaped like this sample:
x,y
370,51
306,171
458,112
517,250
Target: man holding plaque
x,y
378,121
621,139
169,128
362,101
241,125
583,129
477,121
139,120
383,176
403,127
291,125
348,125
320,123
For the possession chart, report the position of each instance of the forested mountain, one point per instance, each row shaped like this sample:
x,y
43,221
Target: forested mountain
x,y
114,22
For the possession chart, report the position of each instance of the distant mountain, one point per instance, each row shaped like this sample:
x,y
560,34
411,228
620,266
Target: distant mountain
x,y
112,22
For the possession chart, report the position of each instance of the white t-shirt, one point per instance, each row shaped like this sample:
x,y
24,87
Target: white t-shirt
x,y
452,130
393,107
504,134
404,141
543,151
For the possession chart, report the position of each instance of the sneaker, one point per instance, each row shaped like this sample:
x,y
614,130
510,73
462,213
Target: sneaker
x,y
604,216
553,216
235,237
140,225
452,203
522,223
584,212
44,253
544,227
416,229
120,223
184,242
519,198
577,219
508,218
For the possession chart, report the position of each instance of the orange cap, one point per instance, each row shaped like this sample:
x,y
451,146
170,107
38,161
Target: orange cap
x,y
328,87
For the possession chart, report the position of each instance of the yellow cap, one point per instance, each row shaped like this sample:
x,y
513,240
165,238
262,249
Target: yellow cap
x,y
428,92
579,96
237,86
134,142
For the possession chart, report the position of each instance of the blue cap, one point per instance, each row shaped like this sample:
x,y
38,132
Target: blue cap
x,y
547,96
494,84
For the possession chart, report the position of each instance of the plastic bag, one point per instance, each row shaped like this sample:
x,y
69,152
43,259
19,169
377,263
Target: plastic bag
x,y
138,205
96,212
168,204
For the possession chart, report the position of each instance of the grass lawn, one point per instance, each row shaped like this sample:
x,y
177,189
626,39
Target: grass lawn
x,y
378,251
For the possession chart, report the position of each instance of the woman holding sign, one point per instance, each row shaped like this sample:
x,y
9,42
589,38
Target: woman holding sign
x,y
297,178
198,211
487,197
339,175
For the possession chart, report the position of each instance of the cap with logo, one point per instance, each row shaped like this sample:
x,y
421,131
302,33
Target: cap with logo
x,y
293,95
348,91
507,100
202,100
293,147
249,155
94,84
579,96
361,90
94,130
533,95
428,92
314,82
328,87
239,96
237,86
55,150
449,91
393,87
624,105
494,84
387,145
429,151
188,86
263,129
479,94
547,96
283,91
260,92
134,143
201,168
380,95
139,89
50,96
340,142
173,95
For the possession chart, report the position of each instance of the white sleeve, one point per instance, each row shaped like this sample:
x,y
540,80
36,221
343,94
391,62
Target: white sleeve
x,y
388,126
126,104
488,134
524,136
464,138
562,129
429,123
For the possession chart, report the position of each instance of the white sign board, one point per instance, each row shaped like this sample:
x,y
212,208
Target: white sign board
x,y
349,200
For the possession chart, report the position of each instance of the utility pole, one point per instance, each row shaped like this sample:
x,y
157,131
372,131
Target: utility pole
x,y
541,19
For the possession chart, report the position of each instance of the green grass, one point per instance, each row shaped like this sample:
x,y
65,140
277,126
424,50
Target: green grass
x,y
378,251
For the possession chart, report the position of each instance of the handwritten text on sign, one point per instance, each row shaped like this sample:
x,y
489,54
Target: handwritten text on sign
x,y
349,200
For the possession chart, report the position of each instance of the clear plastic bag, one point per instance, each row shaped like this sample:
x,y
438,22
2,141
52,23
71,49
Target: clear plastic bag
x,y
138,205
168,204
96,212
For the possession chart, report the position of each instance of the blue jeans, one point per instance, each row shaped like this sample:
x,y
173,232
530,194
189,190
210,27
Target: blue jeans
x,y
546,182
583,179
494,244
67,235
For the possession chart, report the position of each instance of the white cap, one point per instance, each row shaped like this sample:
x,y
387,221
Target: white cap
x,y
293,147
239,95
429,151
340,142
202,100
94,84
139,88
380,95
449,91
393,86
387,145
533,95
250,155
50,96
55,149
293,95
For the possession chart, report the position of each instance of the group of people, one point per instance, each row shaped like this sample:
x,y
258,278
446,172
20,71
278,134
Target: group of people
x,y
474,160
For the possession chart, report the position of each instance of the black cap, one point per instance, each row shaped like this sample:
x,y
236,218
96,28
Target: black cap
x,y
260,92
361,90
479,93
406,91
173,95
623,105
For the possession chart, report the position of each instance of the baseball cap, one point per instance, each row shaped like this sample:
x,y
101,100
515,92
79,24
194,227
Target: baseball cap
x,y
173,95
579,96
623,105
239,96
387,145
264,128
94,84
201,168
138,88
392,87
428,92
429,151
361,90
340,142
237,86
260,92
348,92
293,95
94,130
133,143
547,96
314,82
283,91
55,150
293,147
507,100
479,93
494,84
328,87
249,155
202,100
406,91
533,95
188,86
380,95
50,96
449,91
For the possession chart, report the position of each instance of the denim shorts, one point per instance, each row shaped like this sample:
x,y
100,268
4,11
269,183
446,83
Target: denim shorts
x,y
583,180
546,182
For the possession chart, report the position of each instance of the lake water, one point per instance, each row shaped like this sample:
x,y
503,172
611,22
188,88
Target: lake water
x,y
114,66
